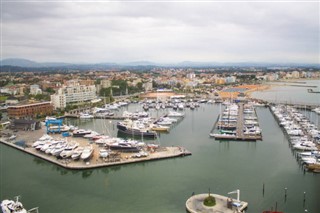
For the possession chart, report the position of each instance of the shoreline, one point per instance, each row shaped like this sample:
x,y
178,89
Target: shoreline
x,y
262,87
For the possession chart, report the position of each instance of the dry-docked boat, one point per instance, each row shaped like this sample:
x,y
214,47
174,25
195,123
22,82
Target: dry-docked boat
x,y
77,153
132,128
124,147
80,133
68,150
87,153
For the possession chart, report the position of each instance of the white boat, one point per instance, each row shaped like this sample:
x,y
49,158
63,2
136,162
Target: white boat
x,y
46,146
175,114
80,132
103,153
58,149
11,206
12,137
157,127
226,136
91,135
68,150
77,153
50,118
85,116
45,137
87,152
180,106
164,123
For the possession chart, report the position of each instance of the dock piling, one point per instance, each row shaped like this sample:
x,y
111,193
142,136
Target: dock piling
x,y
285,194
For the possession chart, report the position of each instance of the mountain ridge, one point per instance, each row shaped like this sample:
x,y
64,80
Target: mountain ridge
x,y
21,62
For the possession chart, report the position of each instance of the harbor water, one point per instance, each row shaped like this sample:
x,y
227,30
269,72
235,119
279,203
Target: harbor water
x,y
291,92
165,185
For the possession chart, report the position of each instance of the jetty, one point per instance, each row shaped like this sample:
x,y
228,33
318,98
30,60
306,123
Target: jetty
x,y
238,126
312,91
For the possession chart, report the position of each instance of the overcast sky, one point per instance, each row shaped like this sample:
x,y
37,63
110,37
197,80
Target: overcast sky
x,y
165,32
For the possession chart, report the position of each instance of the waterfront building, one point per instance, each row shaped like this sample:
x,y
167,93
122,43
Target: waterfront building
x,y
73,92
59,100
30,110
35,89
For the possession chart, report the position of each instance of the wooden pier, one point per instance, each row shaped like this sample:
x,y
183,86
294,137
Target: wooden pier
x,y
240,136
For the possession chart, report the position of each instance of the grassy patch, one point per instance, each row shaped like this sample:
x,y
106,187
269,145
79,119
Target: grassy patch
x,y
3,98
209,201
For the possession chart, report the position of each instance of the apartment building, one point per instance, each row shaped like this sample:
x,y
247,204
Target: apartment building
x,y
73,92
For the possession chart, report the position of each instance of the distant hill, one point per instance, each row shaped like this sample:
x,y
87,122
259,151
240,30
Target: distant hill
x,y
16,64
20,62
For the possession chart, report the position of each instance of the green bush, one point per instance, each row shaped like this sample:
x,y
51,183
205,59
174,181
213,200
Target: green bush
x,y
209,201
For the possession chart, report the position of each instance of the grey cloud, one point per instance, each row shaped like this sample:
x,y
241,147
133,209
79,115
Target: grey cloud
x,y
164,32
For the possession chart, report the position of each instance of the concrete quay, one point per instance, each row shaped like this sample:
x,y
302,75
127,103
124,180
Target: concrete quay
x,y
223,204
119,158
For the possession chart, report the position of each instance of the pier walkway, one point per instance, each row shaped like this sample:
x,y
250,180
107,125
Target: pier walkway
x,y
240,122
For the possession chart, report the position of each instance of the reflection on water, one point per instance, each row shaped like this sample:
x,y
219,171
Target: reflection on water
x,y
86,173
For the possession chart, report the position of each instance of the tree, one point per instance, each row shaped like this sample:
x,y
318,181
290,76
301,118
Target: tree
x,y
50,90
139,85
105,92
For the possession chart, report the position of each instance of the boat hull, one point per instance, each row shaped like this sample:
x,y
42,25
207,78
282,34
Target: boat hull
x,y
135,132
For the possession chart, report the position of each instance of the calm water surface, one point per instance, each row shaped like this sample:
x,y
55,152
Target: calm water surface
x,y
291,94
165,185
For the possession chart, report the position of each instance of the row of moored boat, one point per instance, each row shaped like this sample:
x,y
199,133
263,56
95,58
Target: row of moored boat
x,y
303,135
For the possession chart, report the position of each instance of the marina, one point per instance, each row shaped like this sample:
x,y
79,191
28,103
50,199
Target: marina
x,y
237,122
303,135
217,160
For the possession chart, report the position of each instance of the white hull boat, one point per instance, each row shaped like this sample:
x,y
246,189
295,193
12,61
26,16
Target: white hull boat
x,y
87,153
